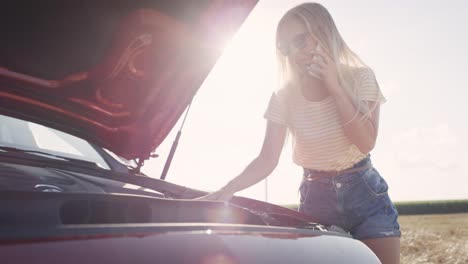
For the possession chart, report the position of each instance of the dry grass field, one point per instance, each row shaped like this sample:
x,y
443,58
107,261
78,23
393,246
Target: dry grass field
x,y
434,239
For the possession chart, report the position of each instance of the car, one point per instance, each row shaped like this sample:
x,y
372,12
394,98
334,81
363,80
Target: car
x,y
88,92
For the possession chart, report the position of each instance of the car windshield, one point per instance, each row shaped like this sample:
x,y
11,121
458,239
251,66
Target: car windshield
x,y
25,135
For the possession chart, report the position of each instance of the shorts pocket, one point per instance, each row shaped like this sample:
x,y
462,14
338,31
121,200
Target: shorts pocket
x,y
375,184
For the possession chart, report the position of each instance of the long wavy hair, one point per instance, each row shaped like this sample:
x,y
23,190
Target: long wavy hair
x,y
320,24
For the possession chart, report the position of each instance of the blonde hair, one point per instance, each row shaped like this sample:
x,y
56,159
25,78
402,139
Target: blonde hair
x,y
320,24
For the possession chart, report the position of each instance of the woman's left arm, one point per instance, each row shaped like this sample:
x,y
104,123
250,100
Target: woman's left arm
x,y
361,130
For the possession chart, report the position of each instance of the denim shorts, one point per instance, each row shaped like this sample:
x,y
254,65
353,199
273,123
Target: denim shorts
x,y
357,202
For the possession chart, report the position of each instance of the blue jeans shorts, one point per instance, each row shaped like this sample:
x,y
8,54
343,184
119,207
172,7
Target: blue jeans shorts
x,y
357,202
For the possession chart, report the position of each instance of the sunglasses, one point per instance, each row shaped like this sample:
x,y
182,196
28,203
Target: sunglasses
x,y
298,42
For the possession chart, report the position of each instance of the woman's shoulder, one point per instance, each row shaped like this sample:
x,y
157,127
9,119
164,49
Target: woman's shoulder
x,y
286,86
285,89
361,72
366,85
285,94
358,71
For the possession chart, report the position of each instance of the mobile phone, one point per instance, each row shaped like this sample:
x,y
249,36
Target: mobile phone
x,y
315,61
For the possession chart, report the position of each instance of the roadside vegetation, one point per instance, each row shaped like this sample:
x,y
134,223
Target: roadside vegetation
x,y
440,238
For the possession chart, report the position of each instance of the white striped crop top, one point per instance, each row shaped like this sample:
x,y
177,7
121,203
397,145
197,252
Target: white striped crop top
x,y
319,141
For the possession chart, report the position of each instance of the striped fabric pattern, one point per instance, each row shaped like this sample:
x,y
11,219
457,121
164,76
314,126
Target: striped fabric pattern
x,y
319,141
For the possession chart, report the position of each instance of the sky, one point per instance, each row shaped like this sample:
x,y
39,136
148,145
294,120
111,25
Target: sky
x,y
418,51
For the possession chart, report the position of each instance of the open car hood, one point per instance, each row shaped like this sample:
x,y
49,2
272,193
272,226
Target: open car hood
x,y
118,73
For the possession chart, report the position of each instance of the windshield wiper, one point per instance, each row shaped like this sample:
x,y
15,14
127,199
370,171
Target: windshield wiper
x,y
38,153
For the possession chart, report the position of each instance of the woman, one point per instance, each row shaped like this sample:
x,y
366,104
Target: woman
x,y
329,103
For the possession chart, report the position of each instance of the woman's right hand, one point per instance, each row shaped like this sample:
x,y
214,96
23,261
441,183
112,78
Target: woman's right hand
x,y
220,195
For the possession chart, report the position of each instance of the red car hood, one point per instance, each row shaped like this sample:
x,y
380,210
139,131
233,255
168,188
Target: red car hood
x,y
116,73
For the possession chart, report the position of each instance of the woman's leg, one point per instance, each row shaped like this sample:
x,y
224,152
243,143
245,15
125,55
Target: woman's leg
x,y
387,249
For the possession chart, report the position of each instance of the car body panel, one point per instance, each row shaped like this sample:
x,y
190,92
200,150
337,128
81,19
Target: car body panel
x,y
204,245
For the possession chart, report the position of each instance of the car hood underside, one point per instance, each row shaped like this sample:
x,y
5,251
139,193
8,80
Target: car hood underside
x,y
118,73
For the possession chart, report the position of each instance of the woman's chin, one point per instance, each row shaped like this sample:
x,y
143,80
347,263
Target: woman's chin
x,y
306,75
